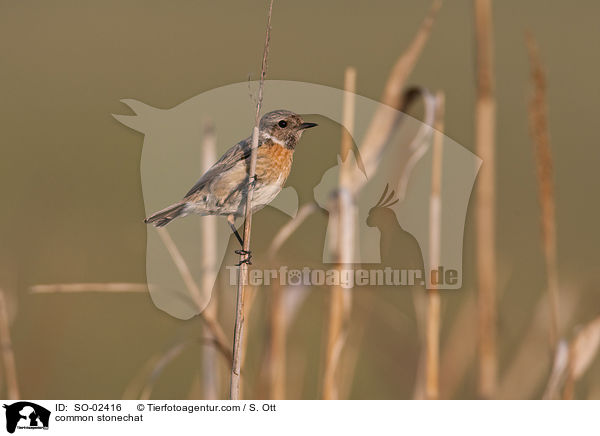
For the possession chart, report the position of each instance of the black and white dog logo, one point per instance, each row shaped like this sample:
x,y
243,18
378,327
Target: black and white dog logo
x,y
26,415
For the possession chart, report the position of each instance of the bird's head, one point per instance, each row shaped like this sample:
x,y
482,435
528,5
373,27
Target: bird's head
x,y
283,127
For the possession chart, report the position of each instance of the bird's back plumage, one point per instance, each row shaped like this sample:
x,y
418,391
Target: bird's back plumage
x,y
222,190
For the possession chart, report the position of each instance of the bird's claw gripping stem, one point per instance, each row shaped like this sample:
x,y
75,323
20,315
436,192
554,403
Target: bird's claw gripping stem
x,y
252,181
246,260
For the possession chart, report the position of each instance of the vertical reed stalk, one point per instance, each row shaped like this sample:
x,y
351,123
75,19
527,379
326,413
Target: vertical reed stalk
x,y
459,349
385,120
279,318
485,213
276,357
538,121
432,334
8,356
210,367
238,333
184,271
582,352
341,299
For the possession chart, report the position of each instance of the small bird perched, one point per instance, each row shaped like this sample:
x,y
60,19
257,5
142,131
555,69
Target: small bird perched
x,y
222,189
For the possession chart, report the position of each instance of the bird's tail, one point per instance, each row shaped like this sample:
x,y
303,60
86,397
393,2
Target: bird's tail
x,y
166,215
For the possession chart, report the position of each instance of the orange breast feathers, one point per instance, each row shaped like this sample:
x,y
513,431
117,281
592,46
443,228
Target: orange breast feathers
x,y
273,163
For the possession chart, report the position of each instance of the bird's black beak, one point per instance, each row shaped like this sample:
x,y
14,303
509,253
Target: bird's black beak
x,y
307,125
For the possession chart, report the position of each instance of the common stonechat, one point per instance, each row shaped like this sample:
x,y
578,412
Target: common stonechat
x,y
222,190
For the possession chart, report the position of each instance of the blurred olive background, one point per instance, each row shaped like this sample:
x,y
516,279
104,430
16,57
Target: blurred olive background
x,y
72,202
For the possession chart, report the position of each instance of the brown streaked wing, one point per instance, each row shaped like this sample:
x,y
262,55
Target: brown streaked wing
x,y
238,152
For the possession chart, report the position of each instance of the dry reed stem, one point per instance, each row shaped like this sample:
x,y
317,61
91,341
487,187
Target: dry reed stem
x,y
210,367
348,115
290,227
376,137
538,120
8,355
238,333
211,322
417,148
284,306
529,364
88,287
182,267
384,121
276,347
344,220
250,298
420,142
195,391
459,349
558,373
585,347
394,88
381,127
485,212
276,356
432,335
582,352
298,383
136,384
143,377
354,350
159,365
273,367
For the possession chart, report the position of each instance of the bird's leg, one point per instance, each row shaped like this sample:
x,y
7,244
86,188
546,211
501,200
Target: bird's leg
x,y
231,221
242,252
247,253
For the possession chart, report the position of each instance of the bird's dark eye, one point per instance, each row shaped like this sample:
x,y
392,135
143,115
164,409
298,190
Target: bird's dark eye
x,y
282,124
